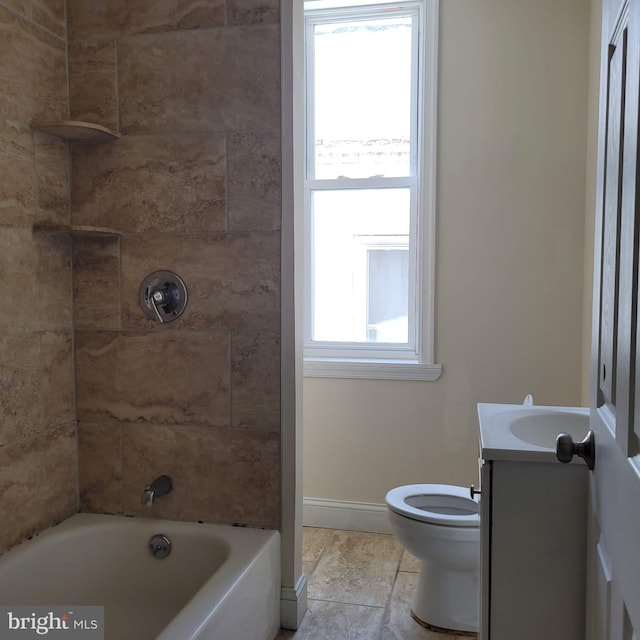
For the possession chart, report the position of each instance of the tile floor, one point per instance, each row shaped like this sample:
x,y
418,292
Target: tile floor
x,y
360,587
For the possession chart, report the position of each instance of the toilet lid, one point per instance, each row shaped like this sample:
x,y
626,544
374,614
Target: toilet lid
x,y
441,504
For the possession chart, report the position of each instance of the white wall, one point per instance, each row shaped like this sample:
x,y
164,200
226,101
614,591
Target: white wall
x,y
509,297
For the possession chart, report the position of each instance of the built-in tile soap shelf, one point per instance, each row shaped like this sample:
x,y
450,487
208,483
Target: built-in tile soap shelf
x,y
83,231
76,130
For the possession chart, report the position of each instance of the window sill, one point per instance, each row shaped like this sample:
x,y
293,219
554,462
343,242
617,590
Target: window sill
x,y
371,369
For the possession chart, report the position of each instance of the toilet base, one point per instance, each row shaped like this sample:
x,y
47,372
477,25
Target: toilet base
x,y
457,632
451,632
447,599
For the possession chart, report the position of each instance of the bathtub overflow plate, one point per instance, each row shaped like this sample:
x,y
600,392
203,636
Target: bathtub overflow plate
x,y
159,546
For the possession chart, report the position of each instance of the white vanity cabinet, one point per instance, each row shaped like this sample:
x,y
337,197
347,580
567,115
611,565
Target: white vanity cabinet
x,y
533,546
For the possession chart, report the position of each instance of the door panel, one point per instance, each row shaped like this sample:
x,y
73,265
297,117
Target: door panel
x,y
602,623
613,599
611,220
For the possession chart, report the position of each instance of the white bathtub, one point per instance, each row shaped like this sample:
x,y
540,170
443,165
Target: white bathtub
x,y
218,582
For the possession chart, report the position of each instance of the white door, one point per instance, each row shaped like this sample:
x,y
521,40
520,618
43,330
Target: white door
x,y
613,598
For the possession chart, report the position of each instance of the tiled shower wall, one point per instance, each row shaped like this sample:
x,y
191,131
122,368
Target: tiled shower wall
x,y
193,185
38,464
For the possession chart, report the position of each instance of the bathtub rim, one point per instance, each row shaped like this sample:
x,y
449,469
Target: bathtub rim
x,y
210,597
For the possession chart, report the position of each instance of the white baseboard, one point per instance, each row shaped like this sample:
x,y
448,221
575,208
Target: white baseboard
x,y
339,514
293,604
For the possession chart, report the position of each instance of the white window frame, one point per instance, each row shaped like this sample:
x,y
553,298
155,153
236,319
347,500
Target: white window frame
x,y
375,360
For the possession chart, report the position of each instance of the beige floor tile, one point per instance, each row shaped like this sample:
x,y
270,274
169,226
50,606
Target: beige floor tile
x,y
409,562
336,621
314,542
356,568
399,625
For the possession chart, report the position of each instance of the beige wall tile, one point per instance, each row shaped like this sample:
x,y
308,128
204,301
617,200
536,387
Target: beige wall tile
x,y
17,175
32,71
253,12
20,382
17,264
38,467
96,283
23,7
161,183
212,80
92,82
50,274
50,14
36,277
36,379
254,180
37,483
220,475
157,376
56,357
233,280
88,18
100,467
358,568
255,380
52,178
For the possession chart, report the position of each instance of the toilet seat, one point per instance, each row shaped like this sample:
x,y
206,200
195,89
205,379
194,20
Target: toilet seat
x,y
440,504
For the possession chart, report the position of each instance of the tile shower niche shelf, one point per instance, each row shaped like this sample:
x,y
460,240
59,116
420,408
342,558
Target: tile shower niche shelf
x,y
76,130
77,230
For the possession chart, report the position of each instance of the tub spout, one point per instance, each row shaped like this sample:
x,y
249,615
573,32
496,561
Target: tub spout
x,y
158,488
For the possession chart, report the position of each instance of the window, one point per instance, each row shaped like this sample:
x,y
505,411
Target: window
x,y
369,189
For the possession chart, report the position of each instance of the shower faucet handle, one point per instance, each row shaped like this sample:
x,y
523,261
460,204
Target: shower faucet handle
x,y
157,297
163,296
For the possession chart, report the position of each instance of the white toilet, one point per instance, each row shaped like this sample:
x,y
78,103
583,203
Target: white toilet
x,y
440,525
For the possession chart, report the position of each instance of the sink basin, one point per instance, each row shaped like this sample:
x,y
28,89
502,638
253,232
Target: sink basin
x,y
527,432
542,429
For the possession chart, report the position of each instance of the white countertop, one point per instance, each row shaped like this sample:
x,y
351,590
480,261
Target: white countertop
x,y
527,433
